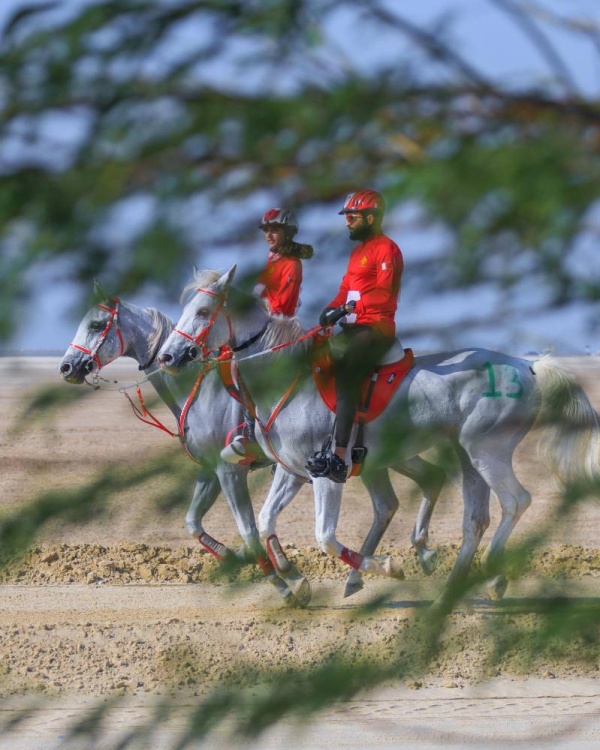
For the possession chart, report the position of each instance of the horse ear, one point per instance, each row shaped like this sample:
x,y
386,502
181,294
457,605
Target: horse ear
x,y
100,294
226,278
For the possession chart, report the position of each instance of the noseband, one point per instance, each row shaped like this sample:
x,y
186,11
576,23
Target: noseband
x,y
113,320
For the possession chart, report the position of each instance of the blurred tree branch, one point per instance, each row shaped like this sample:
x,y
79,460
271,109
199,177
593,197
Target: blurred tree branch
x,y
204,104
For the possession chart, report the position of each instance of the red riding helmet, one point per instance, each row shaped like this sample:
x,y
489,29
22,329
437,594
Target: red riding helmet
x,y
282,217
364,200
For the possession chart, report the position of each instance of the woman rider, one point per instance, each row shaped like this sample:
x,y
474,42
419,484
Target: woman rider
x,y
279,285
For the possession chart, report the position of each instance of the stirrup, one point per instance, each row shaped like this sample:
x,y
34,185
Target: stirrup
x,y
359,453
245,452
318,464
338,471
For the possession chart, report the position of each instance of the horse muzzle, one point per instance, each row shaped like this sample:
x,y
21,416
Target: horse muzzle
x,y
172,364
76,373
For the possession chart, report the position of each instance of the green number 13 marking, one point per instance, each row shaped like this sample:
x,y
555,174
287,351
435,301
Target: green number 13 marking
x,y
515,392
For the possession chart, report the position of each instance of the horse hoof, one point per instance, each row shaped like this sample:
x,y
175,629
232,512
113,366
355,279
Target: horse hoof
x,y
440,608
393,569
353,586
496,588
382,565
301,591
428,558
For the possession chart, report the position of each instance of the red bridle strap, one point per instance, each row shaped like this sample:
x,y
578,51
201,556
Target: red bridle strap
x,y
200,339
114,319
145,416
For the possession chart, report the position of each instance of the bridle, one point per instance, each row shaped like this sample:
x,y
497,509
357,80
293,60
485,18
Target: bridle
x,y
199,340
113,320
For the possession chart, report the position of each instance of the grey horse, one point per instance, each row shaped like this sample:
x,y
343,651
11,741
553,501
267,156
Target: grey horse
x,y
482,402
115,328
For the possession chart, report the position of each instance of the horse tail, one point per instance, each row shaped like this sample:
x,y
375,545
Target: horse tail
x,y
570,440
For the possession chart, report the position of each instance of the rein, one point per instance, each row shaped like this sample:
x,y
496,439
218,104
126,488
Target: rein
x,y
251,340
145,416
307,335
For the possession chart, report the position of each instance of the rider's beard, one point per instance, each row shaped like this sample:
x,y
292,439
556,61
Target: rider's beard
x,y
361,232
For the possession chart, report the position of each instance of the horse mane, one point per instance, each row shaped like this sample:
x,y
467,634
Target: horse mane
x,y
161,328
281,330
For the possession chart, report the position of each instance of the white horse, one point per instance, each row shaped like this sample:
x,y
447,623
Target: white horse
x,y
116,328
483,402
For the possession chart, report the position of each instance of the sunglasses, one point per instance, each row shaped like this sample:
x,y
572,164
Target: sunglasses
x,y
352,218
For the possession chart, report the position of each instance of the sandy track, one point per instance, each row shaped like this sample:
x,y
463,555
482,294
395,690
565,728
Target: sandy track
x,y
107,636
61,637
505,713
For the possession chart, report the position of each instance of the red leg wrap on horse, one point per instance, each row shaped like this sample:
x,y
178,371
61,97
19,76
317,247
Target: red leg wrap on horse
x,y
277,555
211,545
265,565
351,558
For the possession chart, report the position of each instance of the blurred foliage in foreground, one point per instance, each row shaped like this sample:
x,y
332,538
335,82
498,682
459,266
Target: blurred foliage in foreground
x,y
135,134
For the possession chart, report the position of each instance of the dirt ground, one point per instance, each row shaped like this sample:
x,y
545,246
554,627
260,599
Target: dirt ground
x,y
126,603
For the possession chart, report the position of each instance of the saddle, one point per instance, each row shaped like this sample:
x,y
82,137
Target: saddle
x,y
376,393
377,390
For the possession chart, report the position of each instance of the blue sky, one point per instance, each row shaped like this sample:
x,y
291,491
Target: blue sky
x,y
490,40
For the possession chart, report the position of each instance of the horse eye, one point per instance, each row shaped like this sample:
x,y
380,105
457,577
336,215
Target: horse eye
x,y
95,325
202,312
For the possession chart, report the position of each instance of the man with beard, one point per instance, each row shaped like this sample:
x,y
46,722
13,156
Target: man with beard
x,y
368,295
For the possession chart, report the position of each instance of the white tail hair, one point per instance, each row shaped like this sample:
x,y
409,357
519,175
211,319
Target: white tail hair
x,y
570,444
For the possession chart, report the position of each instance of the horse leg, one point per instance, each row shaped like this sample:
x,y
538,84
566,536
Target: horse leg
x,y
385,504
514,501
284,488
206,492
430,479
476,519
234,481
328,497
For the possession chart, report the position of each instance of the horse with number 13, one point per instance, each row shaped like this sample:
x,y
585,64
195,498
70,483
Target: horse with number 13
x,y
480,401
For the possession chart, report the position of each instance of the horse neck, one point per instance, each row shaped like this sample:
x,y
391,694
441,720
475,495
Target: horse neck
x,y
142,333
282,366
245,327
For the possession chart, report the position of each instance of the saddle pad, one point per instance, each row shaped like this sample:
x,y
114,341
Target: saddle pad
x,y
389,378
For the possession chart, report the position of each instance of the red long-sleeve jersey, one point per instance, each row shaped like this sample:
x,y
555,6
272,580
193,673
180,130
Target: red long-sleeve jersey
x,y
373,280
282,278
